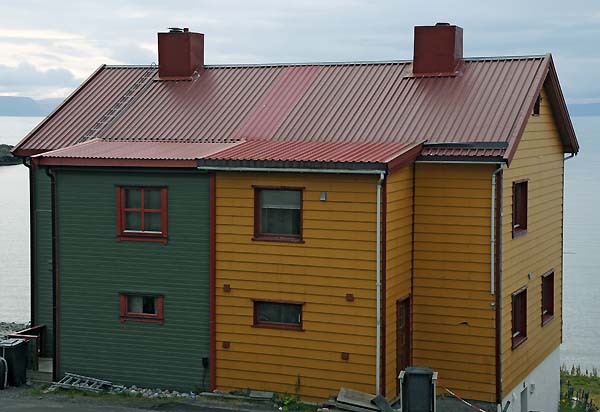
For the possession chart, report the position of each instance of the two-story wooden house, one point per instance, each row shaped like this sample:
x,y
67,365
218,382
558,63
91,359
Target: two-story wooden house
x,y
302,227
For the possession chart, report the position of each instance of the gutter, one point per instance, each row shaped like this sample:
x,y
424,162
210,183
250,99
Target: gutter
x,y
378,283
290,170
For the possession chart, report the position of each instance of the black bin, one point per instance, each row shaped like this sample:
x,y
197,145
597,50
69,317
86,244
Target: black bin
x,y
418,393
15,352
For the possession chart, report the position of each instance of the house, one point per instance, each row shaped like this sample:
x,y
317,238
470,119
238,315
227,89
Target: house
x,y
301,227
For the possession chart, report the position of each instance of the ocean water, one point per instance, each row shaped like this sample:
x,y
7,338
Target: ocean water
x,y
581,294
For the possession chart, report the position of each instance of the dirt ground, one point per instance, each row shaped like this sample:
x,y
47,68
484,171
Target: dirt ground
x,y
31,399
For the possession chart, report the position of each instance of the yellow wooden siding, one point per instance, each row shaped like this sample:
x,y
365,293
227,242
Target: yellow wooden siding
x,y
539,158
399,210
338,257
453,316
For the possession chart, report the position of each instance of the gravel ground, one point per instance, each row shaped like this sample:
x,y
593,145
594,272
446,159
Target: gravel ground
x,y
11,327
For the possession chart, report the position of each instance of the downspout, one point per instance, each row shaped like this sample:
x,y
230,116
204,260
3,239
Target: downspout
x,y
52,177
493,232
32,254
495,274
378,262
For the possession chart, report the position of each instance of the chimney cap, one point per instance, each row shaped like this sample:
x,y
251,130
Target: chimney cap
x,y
176,30
439,23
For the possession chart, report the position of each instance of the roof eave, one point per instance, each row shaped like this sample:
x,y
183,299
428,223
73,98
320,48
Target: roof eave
x,y
291,166
97,162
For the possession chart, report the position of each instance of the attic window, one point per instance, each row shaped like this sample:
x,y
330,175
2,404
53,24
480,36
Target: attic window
x,y
536,106
519,208
142,213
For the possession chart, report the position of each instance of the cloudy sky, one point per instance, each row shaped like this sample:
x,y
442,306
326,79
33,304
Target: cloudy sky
x,y
48,47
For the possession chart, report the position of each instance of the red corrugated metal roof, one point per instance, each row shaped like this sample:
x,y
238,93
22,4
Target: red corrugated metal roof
x,y
313,151
100,149
355,102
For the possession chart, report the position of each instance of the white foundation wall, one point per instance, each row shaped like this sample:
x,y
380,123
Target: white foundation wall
x,y
542,387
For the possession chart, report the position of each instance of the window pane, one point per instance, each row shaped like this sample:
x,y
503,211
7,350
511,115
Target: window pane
x,y
135,304
279,313
280,221
133,221
149,305
133,198
152,198
152,222
280,199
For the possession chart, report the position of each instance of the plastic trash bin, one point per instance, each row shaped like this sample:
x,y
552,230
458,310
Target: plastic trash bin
x,y
15,352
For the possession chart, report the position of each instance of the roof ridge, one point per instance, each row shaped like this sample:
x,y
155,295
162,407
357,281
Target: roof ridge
x,y
333,63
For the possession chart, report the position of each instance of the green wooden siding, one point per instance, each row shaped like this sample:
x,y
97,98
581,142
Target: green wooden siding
x,y
94,267
43,254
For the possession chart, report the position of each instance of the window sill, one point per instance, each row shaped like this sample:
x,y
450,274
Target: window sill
x,y
143,319
518,341
517,233
546,319
278,326
142,238
283,239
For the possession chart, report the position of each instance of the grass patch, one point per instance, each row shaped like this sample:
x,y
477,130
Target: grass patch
x,y
580,382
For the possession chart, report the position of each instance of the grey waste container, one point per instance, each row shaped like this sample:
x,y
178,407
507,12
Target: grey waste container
x,y
15,352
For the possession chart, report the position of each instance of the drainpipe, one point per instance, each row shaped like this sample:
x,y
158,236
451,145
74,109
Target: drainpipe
x,y
493,232
52,177
32,253
378,259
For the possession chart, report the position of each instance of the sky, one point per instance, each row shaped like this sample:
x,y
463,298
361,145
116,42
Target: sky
x,y
47,47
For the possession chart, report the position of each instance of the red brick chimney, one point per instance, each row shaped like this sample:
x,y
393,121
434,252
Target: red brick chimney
x,y
438,50
180,54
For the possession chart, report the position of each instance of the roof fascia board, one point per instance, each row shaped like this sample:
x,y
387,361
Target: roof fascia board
x,y
214,164
461,159
72,161
405,158
561,111
17,149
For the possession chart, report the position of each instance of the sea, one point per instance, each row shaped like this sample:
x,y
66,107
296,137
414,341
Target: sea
x,y
581,292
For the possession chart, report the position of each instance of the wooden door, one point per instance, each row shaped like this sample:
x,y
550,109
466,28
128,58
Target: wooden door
x,y
402,335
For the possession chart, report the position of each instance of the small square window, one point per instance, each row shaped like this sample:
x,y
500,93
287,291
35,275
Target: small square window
x,y
141,307
519,208
142,213
280,315
547,297
278,214
519,317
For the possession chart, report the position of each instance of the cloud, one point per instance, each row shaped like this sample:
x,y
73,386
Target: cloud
x,y
27,80
79,36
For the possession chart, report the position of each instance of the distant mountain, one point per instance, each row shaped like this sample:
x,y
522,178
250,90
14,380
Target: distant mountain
x,y
589,109
26,106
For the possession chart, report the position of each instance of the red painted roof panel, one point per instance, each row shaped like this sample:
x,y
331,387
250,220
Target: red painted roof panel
x,y
336,103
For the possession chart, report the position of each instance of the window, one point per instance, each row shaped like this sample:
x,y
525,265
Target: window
x,y
140,307
519,317
547,297
142,214
519,208
278,214
536,106
281,315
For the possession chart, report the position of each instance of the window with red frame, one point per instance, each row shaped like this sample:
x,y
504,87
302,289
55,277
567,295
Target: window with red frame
x,y
141,307
278,214
547,297
142,213
519,317
519,208
278,315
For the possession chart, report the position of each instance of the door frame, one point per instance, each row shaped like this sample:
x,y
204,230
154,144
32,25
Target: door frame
x,y
401,301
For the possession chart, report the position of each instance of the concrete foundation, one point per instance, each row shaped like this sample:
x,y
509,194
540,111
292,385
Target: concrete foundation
x,y
540,391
